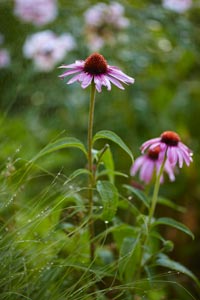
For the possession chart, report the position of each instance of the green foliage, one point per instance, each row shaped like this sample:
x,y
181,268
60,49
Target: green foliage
x,y
109,197
44,209
106,134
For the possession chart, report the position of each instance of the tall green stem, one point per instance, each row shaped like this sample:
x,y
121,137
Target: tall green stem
x,y
144,239
90,167
155,192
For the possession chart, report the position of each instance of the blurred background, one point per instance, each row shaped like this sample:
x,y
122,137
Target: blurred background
x,y
156,42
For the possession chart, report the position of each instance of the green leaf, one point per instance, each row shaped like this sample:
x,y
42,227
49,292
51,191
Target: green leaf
x,y
171,204
109,197
164,261
139,194
175,224
76,173
129,258
109,135
68,142
107,159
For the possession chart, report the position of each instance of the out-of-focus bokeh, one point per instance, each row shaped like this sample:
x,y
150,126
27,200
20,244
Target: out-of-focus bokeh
x,y
156,42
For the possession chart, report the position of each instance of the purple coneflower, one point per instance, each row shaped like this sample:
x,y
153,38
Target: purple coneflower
x,y
170,143
95,68
149,163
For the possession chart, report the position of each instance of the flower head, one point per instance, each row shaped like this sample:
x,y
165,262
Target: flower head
x,y
178,6
38,12
47,49
171,145
150,163
4,58
95,68
103,24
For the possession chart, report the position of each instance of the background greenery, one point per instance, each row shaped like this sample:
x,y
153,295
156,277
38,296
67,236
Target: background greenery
x,y
161,50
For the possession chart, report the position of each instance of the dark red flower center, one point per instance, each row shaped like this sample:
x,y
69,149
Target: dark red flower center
x,y
154,153
170,138
95,64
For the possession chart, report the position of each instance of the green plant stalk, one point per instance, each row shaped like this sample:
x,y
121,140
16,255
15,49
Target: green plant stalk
x,y
144,238
91,180
155,192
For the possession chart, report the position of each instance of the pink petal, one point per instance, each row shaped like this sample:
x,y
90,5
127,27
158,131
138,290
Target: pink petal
x,y
118,74
146,171
148,143
115,82
137,164
77,77
69,73
98,83
172,155
86,80
106,82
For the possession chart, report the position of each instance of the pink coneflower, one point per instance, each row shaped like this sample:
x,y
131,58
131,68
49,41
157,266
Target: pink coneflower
x,y
95,68
170,143
150,163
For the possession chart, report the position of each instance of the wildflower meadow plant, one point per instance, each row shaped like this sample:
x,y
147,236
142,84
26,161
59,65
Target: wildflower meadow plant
x,y
137,257
103,239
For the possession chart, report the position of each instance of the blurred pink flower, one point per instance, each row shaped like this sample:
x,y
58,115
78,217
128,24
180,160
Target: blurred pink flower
x,y
38,12
150,163
170,143
4,58
103,21
95,68
47,49
177,5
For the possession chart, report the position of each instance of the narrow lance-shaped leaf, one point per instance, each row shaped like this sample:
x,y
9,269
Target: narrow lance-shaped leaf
x,y
109,135
109,197
171,204
107,159
139,194
75,174
175,224
164,261
67,142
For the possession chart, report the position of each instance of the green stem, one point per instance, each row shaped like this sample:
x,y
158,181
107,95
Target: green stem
x,y
90,167
155,192
144,238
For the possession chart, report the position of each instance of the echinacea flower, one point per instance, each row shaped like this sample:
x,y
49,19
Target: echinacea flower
x,y
95,68
171,145
150,163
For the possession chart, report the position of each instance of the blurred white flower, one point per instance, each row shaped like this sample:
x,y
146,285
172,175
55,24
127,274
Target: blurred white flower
x,y
4,58
179,6
103,21
38,12
46,49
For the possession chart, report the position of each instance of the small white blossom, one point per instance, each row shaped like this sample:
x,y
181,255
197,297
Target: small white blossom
x,y
38,12
103,22
46,49
178,6
4,58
